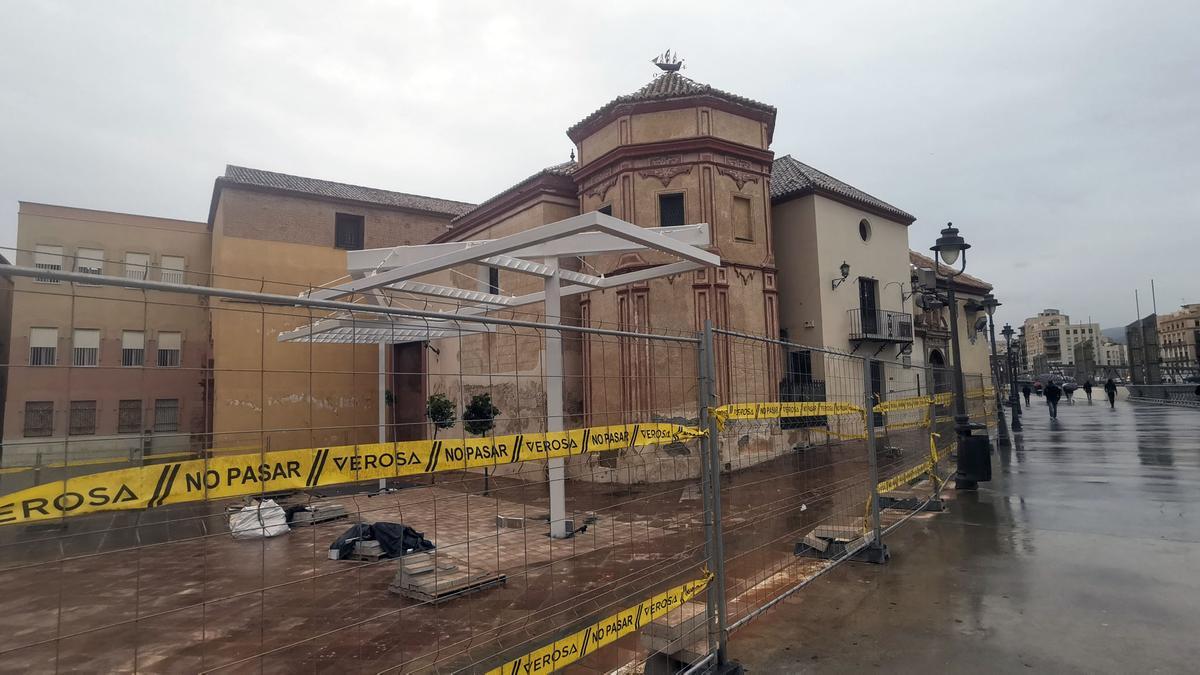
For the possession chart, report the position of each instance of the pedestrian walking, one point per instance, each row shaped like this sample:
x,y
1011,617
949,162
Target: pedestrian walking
x,y
1110,390
1027,391
1069,389
1087,389
1053,393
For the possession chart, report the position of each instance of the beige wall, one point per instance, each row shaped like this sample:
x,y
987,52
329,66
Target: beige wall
x,y
813,236
284,395
111,310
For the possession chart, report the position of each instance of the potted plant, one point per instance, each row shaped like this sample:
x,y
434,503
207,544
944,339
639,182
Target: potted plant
x,y
479,417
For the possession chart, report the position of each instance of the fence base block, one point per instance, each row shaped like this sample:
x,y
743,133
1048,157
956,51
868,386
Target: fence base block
x,y
911,504
834,550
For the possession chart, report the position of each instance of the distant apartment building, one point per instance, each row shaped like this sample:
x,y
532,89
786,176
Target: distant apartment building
x,y
1112,354
1179,342
1099,359
101,371
1051,338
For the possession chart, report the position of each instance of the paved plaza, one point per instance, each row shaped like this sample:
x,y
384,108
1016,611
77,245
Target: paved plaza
x,y
1082,555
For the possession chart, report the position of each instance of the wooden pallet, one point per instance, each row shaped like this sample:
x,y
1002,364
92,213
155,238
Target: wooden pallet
x,y
428,578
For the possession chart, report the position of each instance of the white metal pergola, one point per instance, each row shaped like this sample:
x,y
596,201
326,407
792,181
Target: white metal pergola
x,y
385,276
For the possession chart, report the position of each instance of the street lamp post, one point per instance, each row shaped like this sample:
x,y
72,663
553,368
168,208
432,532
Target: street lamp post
x,y
1013,399
974,452
990,303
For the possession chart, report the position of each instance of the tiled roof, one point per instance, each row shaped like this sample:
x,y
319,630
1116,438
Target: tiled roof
x,y
793,178
926,263
323,188
566,169
672,85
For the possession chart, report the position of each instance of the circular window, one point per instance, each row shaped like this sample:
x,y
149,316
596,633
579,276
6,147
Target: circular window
x,y
864,230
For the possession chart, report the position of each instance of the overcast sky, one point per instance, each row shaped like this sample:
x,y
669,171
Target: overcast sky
x,y
1062,138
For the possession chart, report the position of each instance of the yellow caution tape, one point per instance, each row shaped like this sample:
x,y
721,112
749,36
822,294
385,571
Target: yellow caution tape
x,y
239,475
224,476
562,653
899,479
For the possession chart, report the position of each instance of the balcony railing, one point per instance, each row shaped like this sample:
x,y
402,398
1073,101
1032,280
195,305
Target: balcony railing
x,y
881,325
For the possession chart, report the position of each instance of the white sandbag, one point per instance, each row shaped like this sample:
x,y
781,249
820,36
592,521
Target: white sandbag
x,y
264,519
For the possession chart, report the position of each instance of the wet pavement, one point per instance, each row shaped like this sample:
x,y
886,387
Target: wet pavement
x,y
1082,555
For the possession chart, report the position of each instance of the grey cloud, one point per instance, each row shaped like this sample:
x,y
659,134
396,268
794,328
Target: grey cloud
x,y
1060,137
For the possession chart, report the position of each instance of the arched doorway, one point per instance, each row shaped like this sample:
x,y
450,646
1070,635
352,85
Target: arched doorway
x,y
940,375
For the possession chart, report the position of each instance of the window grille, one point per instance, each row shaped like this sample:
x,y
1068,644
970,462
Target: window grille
x,y
133,348
169,349
136,265
86,347
47,258
39,418
129,417
43,346
171,269
83,418
166,415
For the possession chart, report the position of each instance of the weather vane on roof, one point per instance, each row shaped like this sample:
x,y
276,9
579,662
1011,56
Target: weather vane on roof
x,y
668,61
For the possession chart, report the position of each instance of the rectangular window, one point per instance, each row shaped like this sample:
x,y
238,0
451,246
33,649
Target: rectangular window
x,y
171,269
47,258
670,210
129,417
166,415
39,419
83,418
89,261
86,347
494,280
133,348
169,349
348,232
43,346
136,265
743,227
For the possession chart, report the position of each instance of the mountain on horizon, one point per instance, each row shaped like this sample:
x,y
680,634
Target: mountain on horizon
x,y
1115,334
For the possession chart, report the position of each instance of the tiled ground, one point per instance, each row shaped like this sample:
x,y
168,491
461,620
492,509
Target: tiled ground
x,y
168,590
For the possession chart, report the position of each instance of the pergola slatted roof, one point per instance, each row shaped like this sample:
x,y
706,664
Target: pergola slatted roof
x,y
377,273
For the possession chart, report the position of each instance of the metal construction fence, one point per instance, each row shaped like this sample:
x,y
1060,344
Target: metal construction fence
x,y
182,490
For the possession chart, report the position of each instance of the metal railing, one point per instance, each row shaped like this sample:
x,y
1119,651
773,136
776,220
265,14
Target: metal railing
x,y
881,324
756,457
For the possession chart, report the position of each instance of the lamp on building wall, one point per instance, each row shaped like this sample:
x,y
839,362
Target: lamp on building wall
x,y
845,270
974,452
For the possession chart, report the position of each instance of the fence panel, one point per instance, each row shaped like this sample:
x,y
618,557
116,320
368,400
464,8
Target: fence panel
x,y
145,420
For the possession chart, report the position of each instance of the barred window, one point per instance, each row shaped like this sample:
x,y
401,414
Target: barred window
x,y
47,258
89,261
86,347
169,349
129,417
136,265
83,418
166,415
133,348
171,269
39,418
43,346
